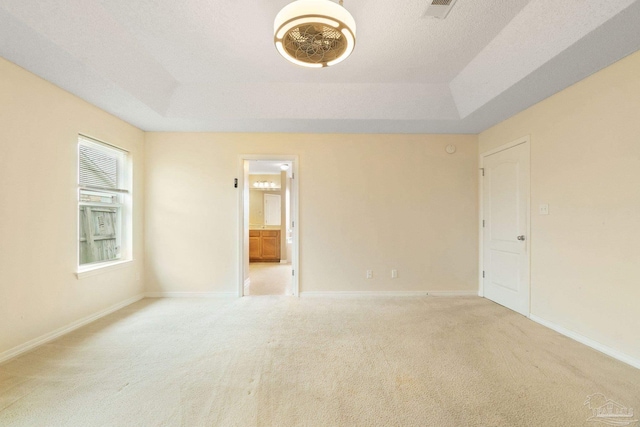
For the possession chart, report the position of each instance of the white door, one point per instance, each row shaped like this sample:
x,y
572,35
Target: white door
x,y
272,209
505,227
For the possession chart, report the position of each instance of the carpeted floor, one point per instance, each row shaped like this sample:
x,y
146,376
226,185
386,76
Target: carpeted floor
x,y
269,278
282,361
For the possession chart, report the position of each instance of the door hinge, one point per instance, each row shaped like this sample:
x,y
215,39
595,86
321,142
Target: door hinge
x,y
293,272
482,169
483,223
235,183
293,224
293,175
483,274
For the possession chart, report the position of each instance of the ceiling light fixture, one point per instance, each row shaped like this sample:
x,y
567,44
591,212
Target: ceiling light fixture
x,y
284,167
314,33
265,185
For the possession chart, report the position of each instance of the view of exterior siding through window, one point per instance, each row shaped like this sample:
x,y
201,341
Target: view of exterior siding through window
x,y
102,190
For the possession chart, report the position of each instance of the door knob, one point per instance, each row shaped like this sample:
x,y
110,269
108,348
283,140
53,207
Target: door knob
x,y
521,238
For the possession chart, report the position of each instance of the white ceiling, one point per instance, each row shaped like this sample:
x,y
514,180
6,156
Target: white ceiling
x,y
205,65
267,167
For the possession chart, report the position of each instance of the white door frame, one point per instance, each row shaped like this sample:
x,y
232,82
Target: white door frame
x,y
243,250
523,140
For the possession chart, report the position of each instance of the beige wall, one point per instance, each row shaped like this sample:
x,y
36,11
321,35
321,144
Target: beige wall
x,y
366,202
39,126
585,163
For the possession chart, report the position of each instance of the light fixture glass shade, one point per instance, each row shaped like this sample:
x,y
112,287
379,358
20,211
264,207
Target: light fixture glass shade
x,y
265,185
314,33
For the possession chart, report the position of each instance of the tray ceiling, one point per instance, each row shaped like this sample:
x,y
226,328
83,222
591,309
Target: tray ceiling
x,y
199,65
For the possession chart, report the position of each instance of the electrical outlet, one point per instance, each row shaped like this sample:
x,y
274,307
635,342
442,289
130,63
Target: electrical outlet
x,y
544,209
394,274
369,274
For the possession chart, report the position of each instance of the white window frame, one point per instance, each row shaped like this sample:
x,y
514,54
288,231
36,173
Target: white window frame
x,y
125,203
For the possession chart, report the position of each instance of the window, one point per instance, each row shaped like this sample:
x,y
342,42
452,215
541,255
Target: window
x,y
104,201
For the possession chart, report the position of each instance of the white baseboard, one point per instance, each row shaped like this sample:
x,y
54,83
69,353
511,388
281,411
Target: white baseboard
x,y
43,339
190,294
331,294
616,354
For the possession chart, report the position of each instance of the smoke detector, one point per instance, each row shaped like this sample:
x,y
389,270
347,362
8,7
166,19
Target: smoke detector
x,y
439,8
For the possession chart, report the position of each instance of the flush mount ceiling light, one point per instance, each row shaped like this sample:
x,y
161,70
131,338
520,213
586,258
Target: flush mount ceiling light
x,y
315,33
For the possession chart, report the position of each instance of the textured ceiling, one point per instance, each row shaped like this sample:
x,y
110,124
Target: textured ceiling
x,y
204,65
266,167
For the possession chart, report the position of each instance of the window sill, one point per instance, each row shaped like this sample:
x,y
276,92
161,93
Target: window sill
x,y
102,268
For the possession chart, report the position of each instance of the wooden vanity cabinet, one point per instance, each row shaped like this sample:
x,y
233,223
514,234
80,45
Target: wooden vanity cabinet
x,y
264,245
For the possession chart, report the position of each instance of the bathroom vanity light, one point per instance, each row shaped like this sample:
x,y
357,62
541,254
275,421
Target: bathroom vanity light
x,y
265,185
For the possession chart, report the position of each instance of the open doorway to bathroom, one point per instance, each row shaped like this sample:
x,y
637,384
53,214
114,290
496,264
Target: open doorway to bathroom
x,y
269,237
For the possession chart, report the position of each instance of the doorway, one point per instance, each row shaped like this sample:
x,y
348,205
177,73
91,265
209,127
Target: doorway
x,y
505,229
268,256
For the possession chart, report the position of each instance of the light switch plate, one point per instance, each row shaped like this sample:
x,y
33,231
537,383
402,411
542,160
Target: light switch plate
x,y
544,209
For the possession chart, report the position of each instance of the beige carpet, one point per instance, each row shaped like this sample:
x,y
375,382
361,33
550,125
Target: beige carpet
x,y
281,361
269,278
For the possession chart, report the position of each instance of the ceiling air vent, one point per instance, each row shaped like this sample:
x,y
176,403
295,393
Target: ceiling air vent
x,y
439,8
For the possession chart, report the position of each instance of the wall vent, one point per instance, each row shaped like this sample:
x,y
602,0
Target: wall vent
x,y
439,8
